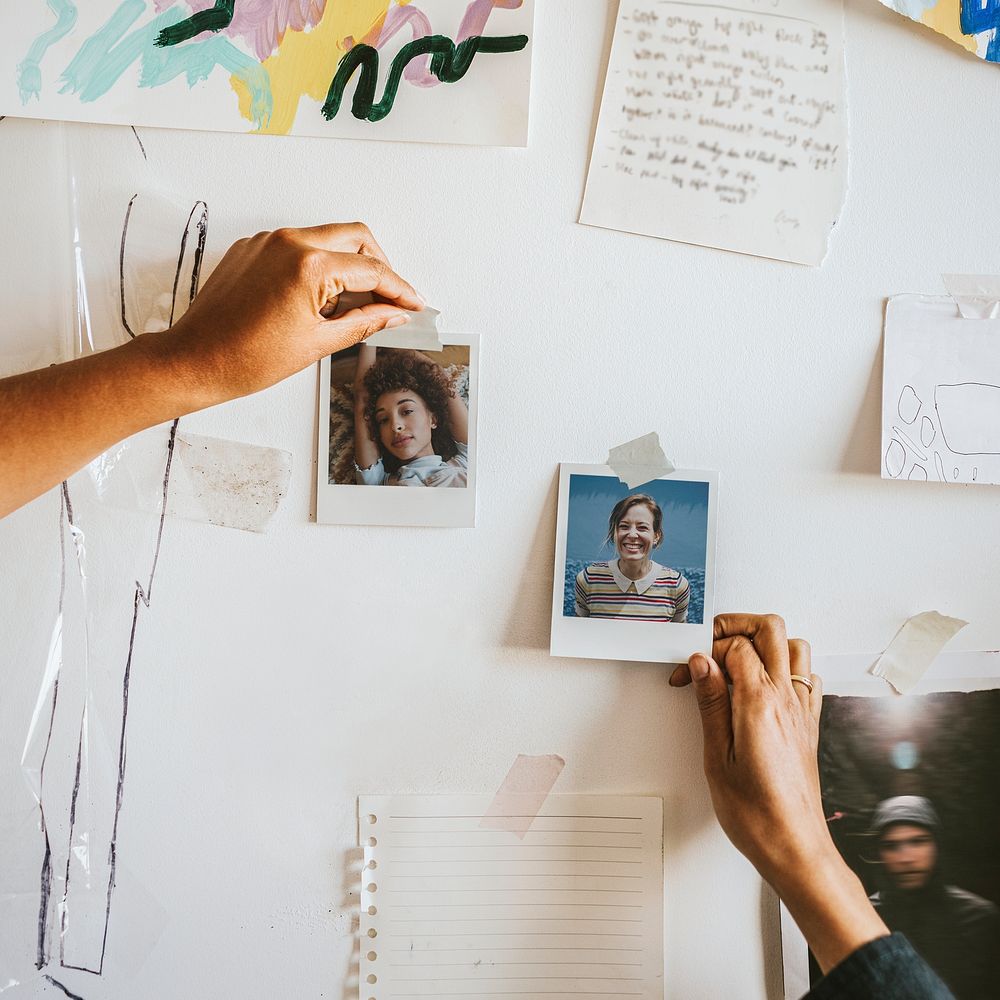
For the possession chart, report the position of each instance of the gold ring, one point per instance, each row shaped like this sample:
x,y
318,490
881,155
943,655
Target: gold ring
x,y
802,680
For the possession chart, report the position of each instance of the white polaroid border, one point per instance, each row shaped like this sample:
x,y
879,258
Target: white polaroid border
x,y
388,505
848,675
607,639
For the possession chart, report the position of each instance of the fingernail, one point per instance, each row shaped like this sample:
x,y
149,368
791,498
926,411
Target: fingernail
x,y
423,301
698,665
398,320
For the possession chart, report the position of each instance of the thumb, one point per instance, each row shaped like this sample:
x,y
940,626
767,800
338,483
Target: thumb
x,y
712,691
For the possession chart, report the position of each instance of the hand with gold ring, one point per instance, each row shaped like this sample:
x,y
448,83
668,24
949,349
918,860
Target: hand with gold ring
x,y
760,707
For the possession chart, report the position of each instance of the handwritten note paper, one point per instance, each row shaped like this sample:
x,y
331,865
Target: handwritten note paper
x,y
723,125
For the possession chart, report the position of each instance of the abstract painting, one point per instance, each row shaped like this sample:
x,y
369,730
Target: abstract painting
x,y
421,70
970,23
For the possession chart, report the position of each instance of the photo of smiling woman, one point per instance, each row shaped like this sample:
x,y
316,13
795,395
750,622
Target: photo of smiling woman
x,y
632,586
411,427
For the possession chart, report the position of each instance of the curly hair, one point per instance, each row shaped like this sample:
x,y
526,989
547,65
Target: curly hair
x,y
397,370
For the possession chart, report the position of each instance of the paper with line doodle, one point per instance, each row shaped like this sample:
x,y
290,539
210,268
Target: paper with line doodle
x,y
940,393
723,124
426,71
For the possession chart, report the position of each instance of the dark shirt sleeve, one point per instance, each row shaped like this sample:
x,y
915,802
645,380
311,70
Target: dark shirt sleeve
x,y
884,969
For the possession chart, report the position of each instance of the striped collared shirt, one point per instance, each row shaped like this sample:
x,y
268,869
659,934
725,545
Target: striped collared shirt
x,y
602,591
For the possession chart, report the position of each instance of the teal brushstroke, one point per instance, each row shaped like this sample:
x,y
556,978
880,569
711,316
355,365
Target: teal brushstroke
x,y
215,19
449,63
106,55
29,70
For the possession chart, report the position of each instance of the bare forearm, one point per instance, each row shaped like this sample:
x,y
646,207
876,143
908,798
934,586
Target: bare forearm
x,y
828,902
55,420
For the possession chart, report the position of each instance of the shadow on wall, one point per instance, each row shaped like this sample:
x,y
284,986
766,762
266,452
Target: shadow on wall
x,y
350,902
530,617
863,448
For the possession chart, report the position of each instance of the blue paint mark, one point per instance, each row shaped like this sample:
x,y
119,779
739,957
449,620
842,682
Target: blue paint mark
x,y
108,53
29,70
979,16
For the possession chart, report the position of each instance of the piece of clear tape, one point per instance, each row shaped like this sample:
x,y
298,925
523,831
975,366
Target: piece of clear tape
x,y
976,295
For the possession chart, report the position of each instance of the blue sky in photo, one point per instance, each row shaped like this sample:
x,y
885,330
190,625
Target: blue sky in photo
x,y
685,518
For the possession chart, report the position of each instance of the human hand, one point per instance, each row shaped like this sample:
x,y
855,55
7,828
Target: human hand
x,y
760,758
267,311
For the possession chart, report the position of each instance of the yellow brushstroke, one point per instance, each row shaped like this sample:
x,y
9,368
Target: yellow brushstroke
x,y
305,61
945,18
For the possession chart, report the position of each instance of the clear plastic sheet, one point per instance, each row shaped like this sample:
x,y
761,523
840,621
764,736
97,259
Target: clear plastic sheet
x,y
65,903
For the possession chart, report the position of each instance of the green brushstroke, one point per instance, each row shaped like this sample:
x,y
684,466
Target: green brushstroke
x,y
218,17
109,52
449,63
29,70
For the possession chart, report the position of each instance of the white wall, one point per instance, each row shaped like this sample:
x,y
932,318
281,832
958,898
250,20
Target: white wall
x,y
278,676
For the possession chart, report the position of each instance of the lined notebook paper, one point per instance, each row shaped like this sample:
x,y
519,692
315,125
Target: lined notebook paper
x,y
451,908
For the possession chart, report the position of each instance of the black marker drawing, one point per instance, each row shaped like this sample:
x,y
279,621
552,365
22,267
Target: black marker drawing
x,y
918,472
927,432
138,140
197,224
939,466
895,459
908,406
59,985
969,417
908,442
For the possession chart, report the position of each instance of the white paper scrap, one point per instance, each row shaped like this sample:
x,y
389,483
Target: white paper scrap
x,y
639,461
976,295
940,393
574,908
915,648
724,125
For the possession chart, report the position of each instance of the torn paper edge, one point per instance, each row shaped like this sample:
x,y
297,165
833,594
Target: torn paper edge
x,y
914,648
976,295
522,793
639,461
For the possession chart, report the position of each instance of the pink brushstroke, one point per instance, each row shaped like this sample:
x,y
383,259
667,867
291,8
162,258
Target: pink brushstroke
x,y
400,17
262,23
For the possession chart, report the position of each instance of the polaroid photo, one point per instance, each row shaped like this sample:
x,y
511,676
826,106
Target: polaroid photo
x,y
910,794
630,559
397,441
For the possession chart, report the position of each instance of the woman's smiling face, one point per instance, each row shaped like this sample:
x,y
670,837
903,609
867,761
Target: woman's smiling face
x,y
404,425
635,537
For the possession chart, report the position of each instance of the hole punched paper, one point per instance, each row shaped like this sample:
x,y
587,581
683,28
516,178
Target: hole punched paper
x,y
451,907
723,125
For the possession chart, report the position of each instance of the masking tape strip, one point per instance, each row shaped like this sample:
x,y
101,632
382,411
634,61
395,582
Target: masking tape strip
x,y
522,793
420,334
976,295
914,648
639,461
227,483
